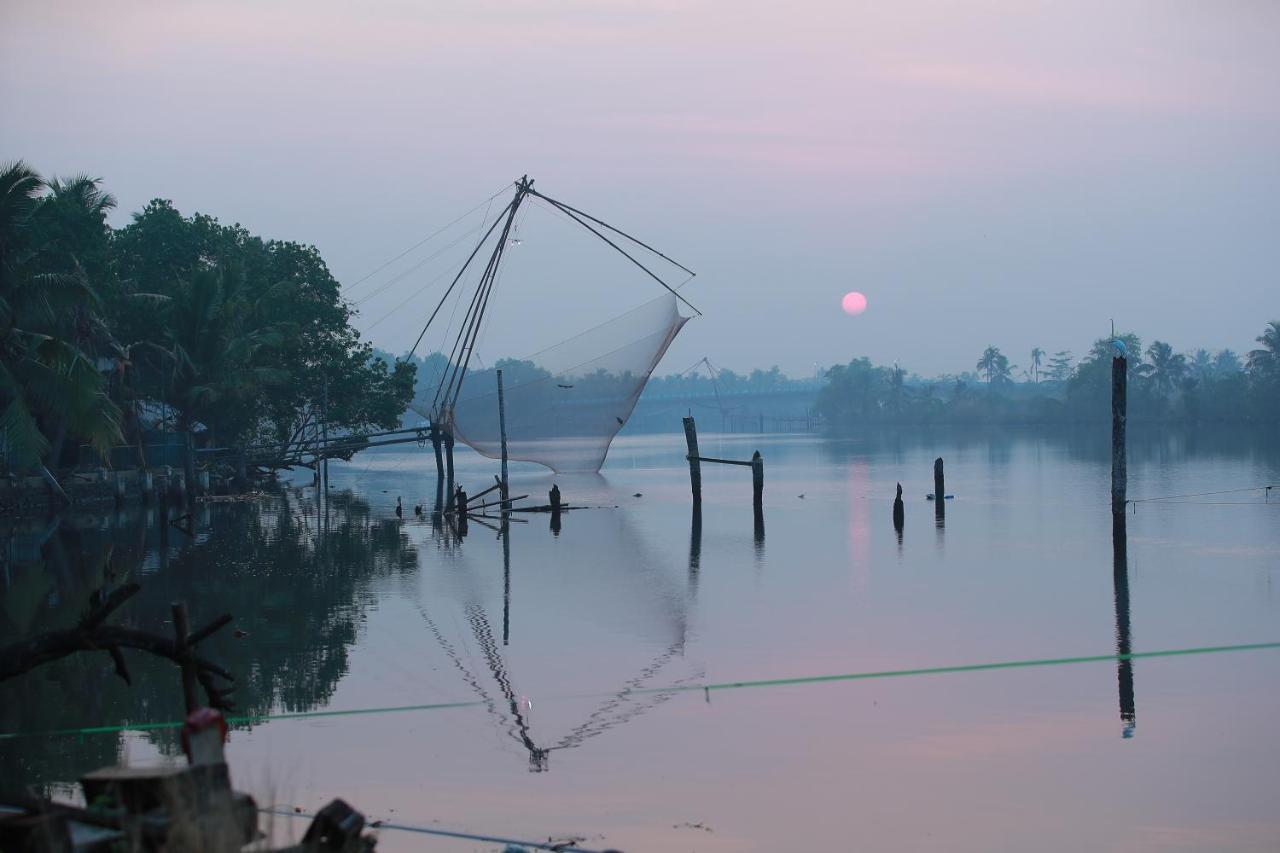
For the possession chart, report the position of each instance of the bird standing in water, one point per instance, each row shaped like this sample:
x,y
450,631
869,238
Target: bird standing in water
x,y
399,508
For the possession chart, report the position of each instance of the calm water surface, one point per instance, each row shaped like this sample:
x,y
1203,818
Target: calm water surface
x,y
559,639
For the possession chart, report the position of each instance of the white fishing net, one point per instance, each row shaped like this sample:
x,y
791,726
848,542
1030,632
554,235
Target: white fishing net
x,y
564,405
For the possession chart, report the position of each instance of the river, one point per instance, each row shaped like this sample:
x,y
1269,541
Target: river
x,y
594,666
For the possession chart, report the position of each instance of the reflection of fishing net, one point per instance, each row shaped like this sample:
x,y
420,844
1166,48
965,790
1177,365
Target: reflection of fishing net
x,y
565,404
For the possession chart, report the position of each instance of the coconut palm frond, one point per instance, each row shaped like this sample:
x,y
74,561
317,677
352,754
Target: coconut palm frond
x,y
26,444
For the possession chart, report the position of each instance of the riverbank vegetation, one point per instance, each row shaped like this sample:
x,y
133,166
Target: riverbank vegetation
x,y
1164,387
172,323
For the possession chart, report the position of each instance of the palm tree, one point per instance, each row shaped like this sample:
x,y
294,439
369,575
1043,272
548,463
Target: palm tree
x,y
1165,368
1036,355
1264,362
215,345
994,365
48,385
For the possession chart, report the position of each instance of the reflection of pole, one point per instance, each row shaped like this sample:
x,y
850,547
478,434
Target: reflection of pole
x,y
502,429
506,580
1124,644
695,548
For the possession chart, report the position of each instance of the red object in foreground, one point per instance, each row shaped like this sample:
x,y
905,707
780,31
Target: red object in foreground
x,y
203,734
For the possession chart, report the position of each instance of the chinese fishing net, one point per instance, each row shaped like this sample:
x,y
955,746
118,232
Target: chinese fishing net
x,y
564,405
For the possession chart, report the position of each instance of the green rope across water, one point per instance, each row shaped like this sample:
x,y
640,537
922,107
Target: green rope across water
x,y
678,688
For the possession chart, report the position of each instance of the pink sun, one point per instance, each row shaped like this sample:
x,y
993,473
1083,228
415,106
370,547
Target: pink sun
x,y
854,303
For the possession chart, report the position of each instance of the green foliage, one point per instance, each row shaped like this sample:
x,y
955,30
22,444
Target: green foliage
x,y
995,366
1164,387
245,336
51,326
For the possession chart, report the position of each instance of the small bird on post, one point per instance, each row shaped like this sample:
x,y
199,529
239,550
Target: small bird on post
x,y
899,511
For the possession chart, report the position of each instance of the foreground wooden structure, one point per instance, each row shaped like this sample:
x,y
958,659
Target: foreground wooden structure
x,y
191,807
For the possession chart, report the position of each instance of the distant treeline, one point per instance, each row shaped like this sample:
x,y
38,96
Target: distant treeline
x,y
199,325
701,380
1164,387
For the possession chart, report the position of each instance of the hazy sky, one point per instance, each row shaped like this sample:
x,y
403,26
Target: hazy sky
x,y
1011,173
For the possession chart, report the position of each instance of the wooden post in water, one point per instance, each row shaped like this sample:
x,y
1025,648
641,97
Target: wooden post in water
x,y
502,430
939,490
1119,415
181,632
757,482
695,466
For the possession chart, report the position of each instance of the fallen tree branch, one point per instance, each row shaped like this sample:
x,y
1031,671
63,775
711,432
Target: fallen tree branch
x,y
91,635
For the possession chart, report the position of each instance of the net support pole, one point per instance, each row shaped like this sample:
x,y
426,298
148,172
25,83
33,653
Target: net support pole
x,y
1119,415
502,432
695,462
448,468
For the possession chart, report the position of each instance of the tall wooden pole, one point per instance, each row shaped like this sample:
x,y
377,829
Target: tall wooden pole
x,y
695,466
1119,415
502,429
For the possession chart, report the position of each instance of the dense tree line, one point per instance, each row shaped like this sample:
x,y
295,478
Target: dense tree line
x,y
1164,387
245,339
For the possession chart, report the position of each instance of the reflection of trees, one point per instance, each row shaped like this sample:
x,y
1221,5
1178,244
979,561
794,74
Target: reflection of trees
x,y
295,585
1084,445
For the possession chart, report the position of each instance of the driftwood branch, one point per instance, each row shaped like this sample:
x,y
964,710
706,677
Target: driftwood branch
x,y
90,635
